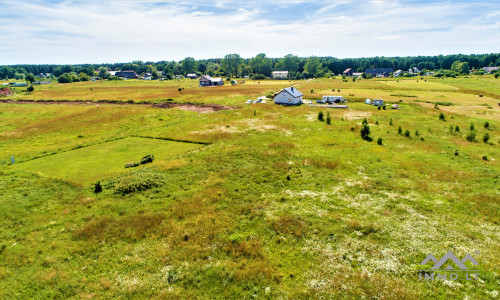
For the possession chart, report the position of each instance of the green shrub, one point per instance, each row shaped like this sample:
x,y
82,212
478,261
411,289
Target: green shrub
x,y
442,117
379,141
328,118
390,122
365,121
486,125
486,137
97,187
383,107
400,130
471,136
472,127
31,88
379,108
417,133
147,159
365,133
457,129
320,116
407,133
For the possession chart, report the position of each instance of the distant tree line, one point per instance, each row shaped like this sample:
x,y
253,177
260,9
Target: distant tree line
x,y
258,67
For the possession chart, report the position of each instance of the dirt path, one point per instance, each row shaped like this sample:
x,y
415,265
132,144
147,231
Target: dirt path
x,y
197,107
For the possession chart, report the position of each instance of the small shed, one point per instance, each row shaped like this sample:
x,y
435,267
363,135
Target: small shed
x,y
378,102
192,76
288,96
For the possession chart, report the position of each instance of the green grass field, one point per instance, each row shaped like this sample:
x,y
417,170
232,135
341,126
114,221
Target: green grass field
x,y
89,164
274,204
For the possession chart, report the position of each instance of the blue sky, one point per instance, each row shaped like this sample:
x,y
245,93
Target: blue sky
x,y
59,31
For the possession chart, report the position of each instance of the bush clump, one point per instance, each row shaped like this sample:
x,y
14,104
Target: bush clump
x,y
486,137
365,133
320,116
137,181
471,136
147,159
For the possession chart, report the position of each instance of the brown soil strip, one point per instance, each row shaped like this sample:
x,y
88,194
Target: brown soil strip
x,y
197,107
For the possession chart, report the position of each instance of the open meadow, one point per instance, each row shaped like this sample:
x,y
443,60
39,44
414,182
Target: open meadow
x,y
256,200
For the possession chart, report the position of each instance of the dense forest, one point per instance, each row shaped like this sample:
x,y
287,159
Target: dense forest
x,y
260,65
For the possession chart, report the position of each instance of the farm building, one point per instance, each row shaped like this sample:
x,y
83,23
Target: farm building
x,y
333,99
280,74
206,80
490,70
398,73
5,92
20,84
192,76
288,96
379,71
127,74
348,72
378,102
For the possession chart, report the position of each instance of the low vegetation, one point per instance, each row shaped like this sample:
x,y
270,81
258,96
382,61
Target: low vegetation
x,y
261,201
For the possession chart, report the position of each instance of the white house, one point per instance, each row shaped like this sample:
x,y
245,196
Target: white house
x,y
280,74
288,96
192,76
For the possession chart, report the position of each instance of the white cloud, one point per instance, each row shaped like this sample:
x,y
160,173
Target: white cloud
x,y
120,31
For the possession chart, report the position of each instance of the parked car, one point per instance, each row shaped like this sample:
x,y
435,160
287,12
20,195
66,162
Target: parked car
x,y
258,100
320,101
310,102
249,101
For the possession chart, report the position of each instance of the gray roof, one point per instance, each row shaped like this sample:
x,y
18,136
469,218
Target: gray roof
x,y
293,91
379,71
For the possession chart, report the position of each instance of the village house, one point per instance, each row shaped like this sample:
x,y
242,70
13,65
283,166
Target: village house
x,y
490,70
288,96
127,74
348,72
192,76
280,75
206,80
6,92
379,71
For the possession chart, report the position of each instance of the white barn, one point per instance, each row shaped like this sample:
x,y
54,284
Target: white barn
x,y
288,96
280,74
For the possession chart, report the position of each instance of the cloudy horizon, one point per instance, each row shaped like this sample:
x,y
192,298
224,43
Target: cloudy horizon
x,y
76,32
